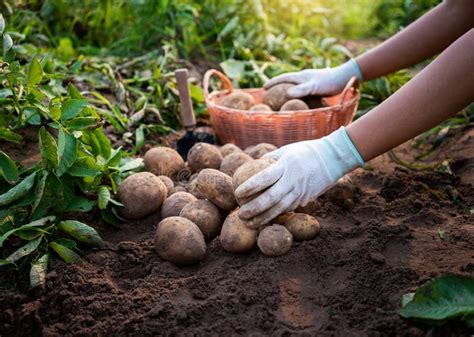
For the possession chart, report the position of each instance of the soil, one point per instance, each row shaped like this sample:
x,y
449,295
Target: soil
x,y
347,282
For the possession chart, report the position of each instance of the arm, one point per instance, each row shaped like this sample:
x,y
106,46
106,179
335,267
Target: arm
x,y
425,37
307,169
440,90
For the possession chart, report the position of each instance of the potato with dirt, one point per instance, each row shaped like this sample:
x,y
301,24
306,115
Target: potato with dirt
x,y
203,155
236,236
141,194
246,171
277,95
193,188
179,240
233,161
229,148
217,188
205,215
259,150
168,183
260,108
175,203
342,193
274,240
163,161
294,105
303,226
237,100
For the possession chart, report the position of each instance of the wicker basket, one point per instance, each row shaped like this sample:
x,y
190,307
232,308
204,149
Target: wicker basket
x,y
245,128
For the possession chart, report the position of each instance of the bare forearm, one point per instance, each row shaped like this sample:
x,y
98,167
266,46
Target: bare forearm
x,y
424,38
440,90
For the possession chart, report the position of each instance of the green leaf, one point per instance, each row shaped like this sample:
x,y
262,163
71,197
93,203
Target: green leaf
x,y
78,204
115,157
7,44
68,255
72,107
35,73
25,250
18,190
104,142
139,138
129,164
67,150
51,198
68,243
8,169
33,224
80,123
73,92
38,272
446,297
2,24
10,136
48,148
407,298
233,69
39,190
82,232
103,197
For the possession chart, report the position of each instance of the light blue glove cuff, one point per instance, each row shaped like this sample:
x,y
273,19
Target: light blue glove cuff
x,y
339,154
357,69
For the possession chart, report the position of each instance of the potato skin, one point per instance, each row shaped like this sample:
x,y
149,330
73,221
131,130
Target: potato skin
x,y
237,100
260,107
177,189
233,161
193,188
217,188
168,183
163,161
179,240
294,105
246,171
142,194
175,203
275,240
281,219
229,148
205,215
257,151
235,236
276,96
342,193
203,155
303,226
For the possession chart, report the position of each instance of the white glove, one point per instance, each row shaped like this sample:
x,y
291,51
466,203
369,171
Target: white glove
x,y
323,82
303,171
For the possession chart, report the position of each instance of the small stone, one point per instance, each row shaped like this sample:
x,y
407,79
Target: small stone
x,y
377,258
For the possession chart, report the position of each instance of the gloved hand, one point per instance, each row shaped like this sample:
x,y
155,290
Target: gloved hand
x,y
303,171
324,82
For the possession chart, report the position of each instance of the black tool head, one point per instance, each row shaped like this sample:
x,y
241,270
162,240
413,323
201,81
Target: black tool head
x,y
184,144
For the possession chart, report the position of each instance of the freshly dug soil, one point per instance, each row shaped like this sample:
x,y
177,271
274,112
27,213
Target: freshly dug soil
x,y
346,282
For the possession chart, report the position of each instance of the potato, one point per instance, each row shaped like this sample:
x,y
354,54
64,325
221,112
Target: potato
x,y
310,208
342,193
294,105
142,194
175,203
203,155
314,101
281,219
193,188
276,96
233,161
257,151
237,100
205,215
229,148
260,107
217,188
274,240
303,226
235,236
163,161
179,240
168,183
177,189
246,171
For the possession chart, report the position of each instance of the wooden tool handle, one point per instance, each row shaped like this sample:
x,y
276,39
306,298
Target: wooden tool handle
x,y
185,98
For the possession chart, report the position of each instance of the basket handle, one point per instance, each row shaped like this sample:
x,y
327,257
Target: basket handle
x,y
352,83
224,80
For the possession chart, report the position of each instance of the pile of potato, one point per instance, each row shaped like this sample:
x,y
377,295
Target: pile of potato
x,y
274,99
197,210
